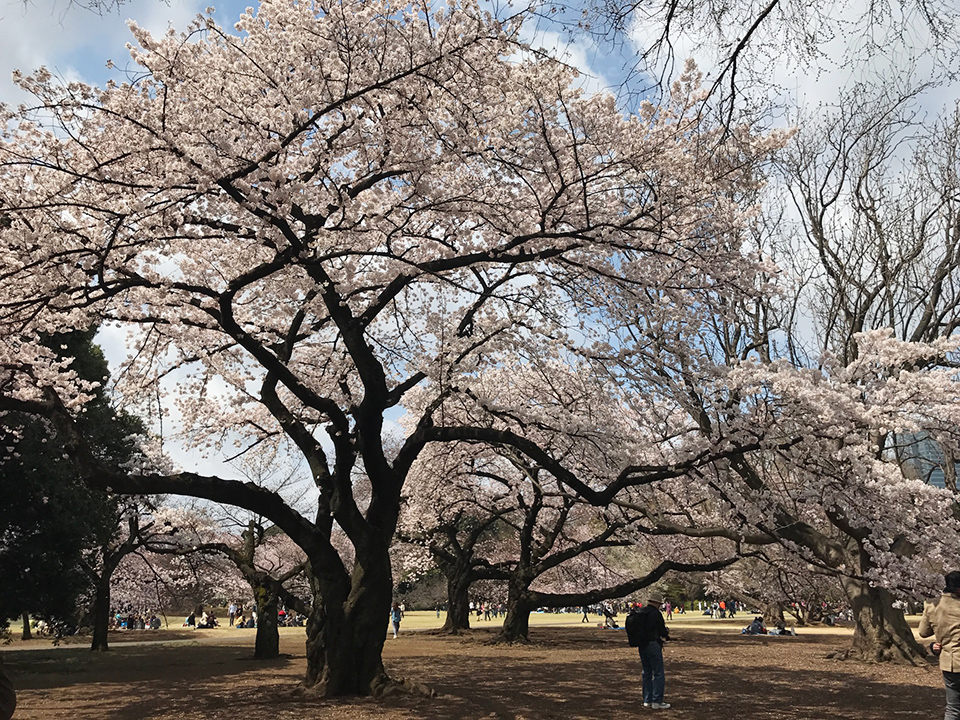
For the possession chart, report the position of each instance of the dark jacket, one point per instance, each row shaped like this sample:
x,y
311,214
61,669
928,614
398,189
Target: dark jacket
x,y
8,698
646,625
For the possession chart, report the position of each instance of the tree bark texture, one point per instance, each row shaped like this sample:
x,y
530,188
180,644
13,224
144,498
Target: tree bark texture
x,y
772,613
458,600
516,625
26,634
347,627
881,633
101,613
267,644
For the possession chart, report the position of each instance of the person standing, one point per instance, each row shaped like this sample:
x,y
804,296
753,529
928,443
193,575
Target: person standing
x,y
648,632
941,618
232,611
396,614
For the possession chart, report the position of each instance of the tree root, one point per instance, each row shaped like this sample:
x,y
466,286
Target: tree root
x,y
382,687
448,632
891,655
391,687
501,640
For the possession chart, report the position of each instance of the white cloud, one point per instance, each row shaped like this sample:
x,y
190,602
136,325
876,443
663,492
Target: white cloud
x,y
76,43
582,55
845,51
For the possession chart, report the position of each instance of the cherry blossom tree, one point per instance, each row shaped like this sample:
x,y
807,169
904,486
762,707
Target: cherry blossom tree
x,y
455,518
834,490
840,424
271,566
164,575
132,528
502,516
267,562
339,204
554,531
867,241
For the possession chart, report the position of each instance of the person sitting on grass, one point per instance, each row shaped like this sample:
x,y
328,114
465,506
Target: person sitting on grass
x,y
755,628
208,621
781,629
609,617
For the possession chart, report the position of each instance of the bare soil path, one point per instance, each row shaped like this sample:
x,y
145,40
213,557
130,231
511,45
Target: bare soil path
x,y
569,671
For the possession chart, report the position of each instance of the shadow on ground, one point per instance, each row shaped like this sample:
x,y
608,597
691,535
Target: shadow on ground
x,y
564,673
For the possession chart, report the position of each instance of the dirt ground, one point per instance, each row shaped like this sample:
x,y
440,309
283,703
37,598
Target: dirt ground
x,y
568,671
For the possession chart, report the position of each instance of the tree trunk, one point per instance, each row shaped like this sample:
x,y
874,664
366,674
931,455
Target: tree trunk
x,y
881,633
458,600
516,625
101,613
772,613
267,644
26,635
347,627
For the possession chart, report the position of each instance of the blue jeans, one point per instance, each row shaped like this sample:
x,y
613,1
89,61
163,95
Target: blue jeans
x,y
951,681
651,656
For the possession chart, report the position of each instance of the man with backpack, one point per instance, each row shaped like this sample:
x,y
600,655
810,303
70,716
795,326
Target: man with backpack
x,y
647,632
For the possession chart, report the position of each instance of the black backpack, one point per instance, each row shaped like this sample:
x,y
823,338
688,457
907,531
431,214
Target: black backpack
x,y
636,629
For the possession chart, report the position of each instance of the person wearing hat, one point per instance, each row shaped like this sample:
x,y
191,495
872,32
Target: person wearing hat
x,y
941,618
651,632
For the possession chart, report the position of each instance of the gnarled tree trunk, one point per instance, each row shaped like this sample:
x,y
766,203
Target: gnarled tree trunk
x,y
347,627
267,644
516,625
772,613
881,633
458,599
101,613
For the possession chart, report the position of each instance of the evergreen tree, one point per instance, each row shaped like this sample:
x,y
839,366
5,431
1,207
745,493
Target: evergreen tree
x,y
55,526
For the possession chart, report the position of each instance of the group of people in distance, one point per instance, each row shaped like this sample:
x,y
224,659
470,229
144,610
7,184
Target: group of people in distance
x,y
134,621
238,618
206,621
756,627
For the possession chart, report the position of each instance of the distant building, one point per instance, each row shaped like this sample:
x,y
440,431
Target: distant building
x,y
921,458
